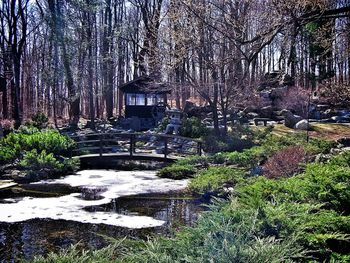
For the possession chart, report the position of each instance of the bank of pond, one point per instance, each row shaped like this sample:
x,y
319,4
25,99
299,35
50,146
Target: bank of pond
x,y
284,199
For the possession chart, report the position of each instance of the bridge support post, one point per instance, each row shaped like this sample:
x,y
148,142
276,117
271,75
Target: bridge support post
x,y
100,144
199,148
165,147
132,143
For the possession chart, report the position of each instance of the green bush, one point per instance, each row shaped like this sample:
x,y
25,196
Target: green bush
x,y
27,139
315,227
214,178
193,128
39,153
73,255
177,171
329,184
226,234
42,164
243,131
313,205
240,137
40,120
162,124
272,143
27,129
220,236
247,158
34,161
7,154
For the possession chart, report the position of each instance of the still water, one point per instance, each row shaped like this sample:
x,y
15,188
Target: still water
x,y
54,214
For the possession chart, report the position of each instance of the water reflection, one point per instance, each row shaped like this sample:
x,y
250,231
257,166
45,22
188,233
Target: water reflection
x,y
95,187
40,236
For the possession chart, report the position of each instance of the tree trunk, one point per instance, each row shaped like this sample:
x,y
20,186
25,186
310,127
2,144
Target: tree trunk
x,y
214,103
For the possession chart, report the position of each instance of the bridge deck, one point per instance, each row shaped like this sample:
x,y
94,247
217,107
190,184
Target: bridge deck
x,y
110,157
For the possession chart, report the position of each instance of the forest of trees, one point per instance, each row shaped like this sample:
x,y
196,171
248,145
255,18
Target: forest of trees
x,y
66,58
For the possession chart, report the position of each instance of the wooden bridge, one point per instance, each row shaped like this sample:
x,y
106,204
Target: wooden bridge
x,y
108,147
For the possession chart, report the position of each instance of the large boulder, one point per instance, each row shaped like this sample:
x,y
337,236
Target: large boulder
x,y
345,141
341,119
329,113
302,125
192,110
266,112
290,119
252,115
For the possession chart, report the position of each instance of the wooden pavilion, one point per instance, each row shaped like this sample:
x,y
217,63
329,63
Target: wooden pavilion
x,y
143,98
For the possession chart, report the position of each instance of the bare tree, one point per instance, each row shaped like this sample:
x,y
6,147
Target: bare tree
x,y
13,31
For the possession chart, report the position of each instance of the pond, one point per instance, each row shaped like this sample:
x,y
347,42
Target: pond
x,y
53,214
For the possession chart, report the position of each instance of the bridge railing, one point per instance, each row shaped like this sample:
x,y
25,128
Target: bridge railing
x,y
137,143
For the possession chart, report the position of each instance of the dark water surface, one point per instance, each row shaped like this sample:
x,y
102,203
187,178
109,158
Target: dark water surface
x,y
23,240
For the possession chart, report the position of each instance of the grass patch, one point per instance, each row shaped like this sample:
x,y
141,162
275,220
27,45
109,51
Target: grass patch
x,y
214,179
324,131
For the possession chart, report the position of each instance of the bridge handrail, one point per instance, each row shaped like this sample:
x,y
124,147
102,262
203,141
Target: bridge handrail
x,y
132,138
139,134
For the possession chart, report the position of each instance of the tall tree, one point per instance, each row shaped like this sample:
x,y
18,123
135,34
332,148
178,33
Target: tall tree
x,y
58,23
13,31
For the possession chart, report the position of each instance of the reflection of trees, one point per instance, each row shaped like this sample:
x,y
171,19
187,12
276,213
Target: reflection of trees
x,y
172,210
33,237
10,244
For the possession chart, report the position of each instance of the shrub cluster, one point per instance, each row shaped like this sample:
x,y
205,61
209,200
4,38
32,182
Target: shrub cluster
x,y
27,139
39,153
193,128
314,205
213,144
40,120
40,165
304,218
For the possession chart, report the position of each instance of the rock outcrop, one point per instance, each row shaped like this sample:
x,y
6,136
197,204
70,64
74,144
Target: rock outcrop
x,y
290,119
302,125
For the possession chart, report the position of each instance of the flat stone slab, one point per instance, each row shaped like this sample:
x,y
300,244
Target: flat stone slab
x,y
7,184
